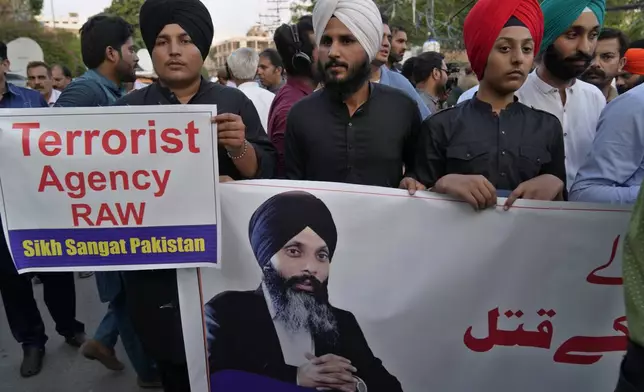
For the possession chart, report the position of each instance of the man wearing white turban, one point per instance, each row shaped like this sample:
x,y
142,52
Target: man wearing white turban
x,y
362,17
351,131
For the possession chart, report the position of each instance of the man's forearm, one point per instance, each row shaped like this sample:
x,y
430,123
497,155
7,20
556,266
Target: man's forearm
x,y
246,161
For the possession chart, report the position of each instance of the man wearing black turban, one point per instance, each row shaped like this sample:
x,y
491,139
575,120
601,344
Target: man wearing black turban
x,y
287,329
178,34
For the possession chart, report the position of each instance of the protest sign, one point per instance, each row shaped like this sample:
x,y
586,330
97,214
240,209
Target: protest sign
x,y
109,188
448,299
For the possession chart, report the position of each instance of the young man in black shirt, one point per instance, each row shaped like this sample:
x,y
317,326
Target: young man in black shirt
x,y
492,143
178,35
351,131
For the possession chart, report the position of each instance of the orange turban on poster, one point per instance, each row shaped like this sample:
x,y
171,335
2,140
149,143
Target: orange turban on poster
x,y
486,20
634,61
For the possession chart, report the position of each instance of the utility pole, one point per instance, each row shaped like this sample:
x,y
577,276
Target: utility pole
x,y
53,15
273,19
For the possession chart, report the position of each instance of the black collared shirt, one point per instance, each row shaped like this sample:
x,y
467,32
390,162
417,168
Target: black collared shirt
x,y
509,148
228,100
324,143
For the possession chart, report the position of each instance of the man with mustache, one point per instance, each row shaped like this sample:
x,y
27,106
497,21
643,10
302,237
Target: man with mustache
x,y
430,76
571,29
398,48
383,75
633,73
61,75
493,142
39,78
608,62
352,131
287,329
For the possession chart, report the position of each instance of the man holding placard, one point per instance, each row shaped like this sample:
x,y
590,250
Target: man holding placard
x,y
178,34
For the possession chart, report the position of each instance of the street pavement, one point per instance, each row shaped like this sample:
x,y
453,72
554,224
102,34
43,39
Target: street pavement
x,y
64,370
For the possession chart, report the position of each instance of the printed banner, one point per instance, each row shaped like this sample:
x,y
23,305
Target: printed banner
x,y
419,293
109,188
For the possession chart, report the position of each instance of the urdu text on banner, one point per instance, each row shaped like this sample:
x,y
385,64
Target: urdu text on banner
x,y
425,294
118,188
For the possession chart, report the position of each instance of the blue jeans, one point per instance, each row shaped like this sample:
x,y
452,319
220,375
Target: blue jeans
x,y
117,322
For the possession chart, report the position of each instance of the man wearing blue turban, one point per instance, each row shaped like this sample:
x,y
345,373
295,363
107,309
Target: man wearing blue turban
x,y
287,330
559,15
571,30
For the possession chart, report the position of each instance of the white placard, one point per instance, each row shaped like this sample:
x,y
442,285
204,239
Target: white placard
x,y
110,188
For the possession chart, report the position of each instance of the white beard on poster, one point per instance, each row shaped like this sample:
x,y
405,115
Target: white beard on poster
x,y
447,298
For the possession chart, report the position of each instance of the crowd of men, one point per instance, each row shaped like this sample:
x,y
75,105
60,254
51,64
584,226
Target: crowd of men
x,y
334,103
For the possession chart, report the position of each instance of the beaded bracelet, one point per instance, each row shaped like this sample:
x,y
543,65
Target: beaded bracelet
x,y
242,154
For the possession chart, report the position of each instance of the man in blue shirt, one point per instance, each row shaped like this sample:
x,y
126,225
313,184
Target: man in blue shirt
x,y
14,97
17,293
383,75
614,169
109,65
108,52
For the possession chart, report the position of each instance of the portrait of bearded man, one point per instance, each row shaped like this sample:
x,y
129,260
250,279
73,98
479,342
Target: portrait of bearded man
x,y
286,329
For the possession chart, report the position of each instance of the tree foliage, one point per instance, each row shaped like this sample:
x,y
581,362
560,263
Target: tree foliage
x,y
631,22
58,46
128,10
36,7
446,22
300,8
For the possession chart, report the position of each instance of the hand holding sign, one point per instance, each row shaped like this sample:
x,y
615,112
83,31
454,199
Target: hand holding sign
x,y
231,132
476,190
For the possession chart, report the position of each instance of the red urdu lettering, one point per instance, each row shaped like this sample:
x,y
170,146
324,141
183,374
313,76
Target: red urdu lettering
x,y
609,281
570,351
26,128
541,338
49,178
55,142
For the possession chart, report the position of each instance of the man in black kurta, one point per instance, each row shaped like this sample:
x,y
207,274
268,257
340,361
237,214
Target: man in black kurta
x,y
178,34
352,131
492,144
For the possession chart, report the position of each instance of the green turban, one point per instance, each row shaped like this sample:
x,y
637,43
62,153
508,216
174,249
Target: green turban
x,y
560,14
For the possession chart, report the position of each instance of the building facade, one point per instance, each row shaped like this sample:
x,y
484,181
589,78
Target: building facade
x,y
72,22
256,39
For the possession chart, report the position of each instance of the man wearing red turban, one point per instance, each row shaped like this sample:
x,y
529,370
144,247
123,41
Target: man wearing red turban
x,y
486,20
492,145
